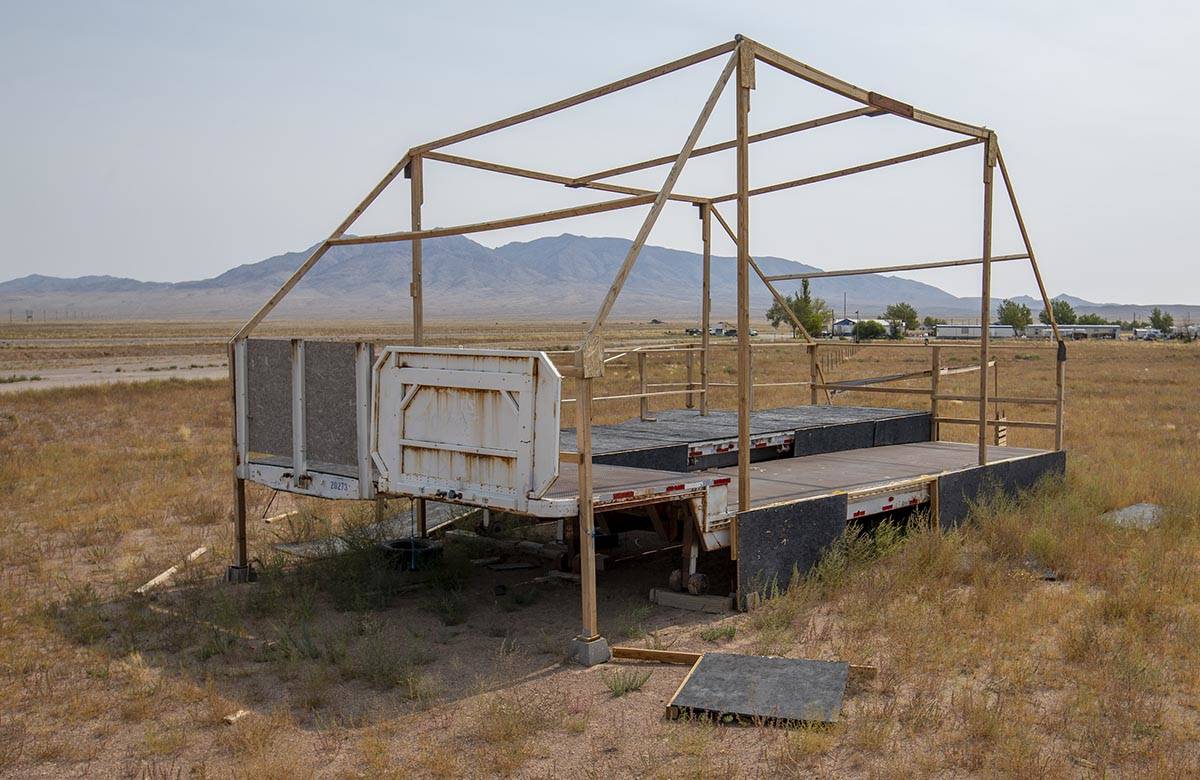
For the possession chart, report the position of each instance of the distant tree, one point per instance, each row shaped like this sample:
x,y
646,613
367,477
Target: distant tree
x,y
866,330
1090,319
1009,312
1161,320
1063,313
811,312
1132,324
901,317
932,322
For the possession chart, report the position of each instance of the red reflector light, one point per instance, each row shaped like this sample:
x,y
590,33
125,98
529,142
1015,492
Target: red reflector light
x,y
622,494
722,481
674,487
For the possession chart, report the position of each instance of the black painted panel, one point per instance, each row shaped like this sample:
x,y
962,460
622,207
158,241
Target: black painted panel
x,y
902,430
834,438
776,541
670,458
959,489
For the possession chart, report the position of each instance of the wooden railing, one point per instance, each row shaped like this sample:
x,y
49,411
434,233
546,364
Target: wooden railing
x,y
830,355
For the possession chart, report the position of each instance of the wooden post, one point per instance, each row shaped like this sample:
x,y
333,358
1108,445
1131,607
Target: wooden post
x,y
989,162
241,557
416,289
691,376
1060,383
813,374
587,524
745,83
705,302
935,375
643,401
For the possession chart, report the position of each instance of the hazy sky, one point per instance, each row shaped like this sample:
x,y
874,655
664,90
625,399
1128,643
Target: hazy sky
x,y
170,141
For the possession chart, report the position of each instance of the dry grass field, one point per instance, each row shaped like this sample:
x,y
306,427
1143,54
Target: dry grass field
x,y
349,669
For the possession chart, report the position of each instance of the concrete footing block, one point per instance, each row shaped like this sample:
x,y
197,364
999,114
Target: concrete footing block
x,y
239,574
589,651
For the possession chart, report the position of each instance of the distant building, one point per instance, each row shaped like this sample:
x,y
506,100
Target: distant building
x,y
973,331
845,326
1043,331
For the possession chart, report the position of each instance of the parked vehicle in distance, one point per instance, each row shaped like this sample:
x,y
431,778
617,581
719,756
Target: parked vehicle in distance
x,y
692,332
1147,334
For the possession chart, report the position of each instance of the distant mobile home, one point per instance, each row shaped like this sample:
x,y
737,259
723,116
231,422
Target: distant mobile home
x,y
1042,331
973,331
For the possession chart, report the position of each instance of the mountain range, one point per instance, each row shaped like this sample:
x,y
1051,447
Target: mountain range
x,y
557,277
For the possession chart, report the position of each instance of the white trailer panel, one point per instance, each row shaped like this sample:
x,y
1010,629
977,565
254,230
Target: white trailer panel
x,y
473,425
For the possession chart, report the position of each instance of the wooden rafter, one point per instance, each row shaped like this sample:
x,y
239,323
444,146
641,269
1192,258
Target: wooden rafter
x,y
497,224
661,199
898,267
726,145
553,178
871,166
582,97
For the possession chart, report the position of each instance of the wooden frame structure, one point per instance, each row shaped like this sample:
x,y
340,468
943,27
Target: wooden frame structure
x,y
742,56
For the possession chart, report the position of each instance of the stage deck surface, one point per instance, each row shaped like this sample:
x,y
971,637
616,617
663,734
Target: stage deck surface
x,y
674,427
793,479
613,479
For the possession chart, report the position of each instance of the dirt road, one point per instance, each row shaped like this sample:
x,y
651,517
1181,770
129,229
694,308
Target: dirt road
x,y
110,370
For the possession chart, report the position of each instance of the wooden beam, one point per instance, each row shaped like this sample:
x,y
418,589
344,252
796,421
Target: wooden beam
x,y
582,97
416,175
989,162
648,654
871,166
498,224
170,572
993,423
846,89
1037,274
891,268
935,375
417,188
726,145
705,301
1060,395
241,557
779,298
527,173
660,200
587,522
745,84
320,251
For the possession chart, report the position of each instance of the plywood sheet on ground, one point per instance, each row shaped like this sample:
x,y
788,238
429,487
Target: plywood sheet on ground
x,y
775,689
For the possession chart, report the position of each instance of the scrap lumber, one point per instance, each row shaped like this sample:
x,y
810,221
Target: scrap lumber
x,y
169,573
